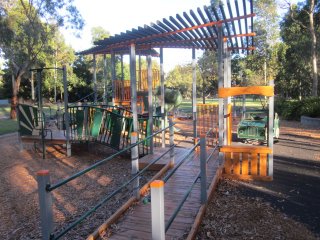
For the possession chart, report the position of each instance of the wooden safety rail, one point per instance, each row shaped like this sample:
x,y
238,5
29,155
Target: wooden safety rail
x,y
246,162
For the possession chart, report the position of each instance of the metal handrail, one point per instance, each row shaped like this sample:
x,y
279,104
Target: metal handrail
x,y
51,188
166,178
107,198
175,213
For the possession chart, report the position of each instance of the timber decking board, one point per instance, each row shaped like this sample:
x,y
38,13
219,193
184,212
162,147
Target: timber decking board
x,y
137,223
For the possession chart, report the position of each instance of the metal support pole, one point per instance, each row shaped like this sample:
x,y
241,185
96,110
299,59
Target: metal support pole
x,y
271,132
203,168
171,139
45,203
122,79
95,78
133,82
40,115
226,84
66,111
135,163
150,102
157,210
113,75
163,117
194,94
140,76
32,86
105,84
220,85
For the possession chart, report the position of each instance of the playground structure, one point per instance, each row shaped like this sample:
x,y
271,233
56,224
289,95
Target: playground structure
x,y
208,31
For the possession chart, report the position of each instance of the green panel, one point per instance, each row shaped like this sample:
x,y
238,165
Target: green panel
x,y
116,128
96,124
26,120
79,121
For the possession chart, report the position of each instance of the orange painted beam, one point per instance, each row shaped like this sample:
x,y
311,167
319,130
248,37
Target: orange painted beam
x,y
235,91
245,149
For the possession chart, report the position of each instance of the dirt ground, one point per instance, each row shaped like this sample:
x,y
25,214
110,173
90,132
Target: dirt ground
x,y
286,208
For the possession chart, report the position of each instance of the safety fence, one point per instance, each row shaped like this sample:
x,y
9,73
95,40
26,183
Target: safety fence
x,y
109,125
159,226
207,118
45,187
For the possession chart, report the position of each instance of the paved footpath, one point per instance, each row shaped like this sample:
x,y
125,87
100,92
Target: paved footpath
x,y
295,189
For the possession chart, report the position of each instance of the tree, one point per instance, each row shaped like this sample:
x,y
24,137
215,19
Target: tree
x,y
26,27
310,10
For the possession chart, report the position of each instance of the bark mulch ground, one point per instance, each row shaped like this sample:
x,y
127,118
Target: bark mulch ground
x,y
286,208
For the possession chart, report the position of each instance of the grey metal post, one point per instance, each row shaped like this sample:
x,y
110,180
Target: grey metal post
x,y
95,78
32,86
226,84
122,78
271,132
157,210
150,107
66,112
135,163
163,117
203,168
194,94
171,139
45,203
140,76
40,116
105,83
220,85
113,74
133,83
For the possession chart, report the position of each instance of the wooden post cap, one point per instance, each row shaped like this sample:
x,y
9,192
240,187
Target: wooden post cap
x,y
157,184
43,173
202,135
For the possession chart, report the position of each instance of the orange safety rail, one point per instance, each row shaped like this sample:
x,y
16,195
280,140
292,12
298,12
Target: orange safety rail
x,y
143,84
207,118
235,91
246,162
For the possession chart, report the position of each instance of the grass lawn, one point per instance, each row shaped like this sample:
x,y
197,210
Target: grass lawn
x,y
8,126
186,105
4,110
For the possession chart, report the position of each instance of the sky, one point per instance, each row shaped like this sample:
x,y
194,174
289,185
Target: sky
x,y
117,16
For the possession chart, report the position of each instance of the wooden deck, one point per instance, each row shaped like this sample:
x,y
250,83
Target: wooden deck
x,y
136,224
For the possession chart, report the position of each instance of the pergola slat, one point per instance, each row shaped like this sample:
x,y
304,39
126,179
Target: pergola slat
x,y
193,29
209,29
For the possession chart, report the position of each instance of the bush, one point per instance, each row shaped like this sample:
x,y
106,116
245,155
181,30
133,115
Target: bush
x,y
294,109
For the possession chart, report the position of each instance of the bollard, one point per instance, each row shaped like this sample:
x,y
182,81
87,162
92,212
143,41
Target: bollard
x,y
203,168
135,163
171,137
45,203
157,210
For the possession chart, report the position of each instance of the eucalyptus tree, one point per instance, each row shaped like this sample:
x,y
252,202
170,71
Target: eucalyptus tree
x,y
307,17
26,28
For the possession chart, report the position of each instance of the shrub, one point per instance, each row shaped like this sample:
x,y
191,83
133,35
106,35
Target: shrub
x,y
294,109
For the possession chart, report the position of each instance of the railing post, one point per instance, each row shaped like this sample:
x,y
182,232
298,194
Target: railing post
x,y
45,203
171,138
203,168
157,210
135,163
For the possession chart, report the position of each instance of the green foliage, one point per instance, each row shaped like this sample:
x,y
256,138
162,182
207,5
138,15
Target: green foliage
x,y
294,109
181,78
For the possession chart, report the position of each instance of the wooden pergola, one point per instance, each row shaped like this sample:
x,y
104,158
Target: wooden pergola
x,y
206,28
226,29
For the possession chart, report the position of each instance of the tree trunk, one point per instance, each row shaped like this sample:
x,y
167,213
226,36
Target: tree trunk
x,y
313,52
14,99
